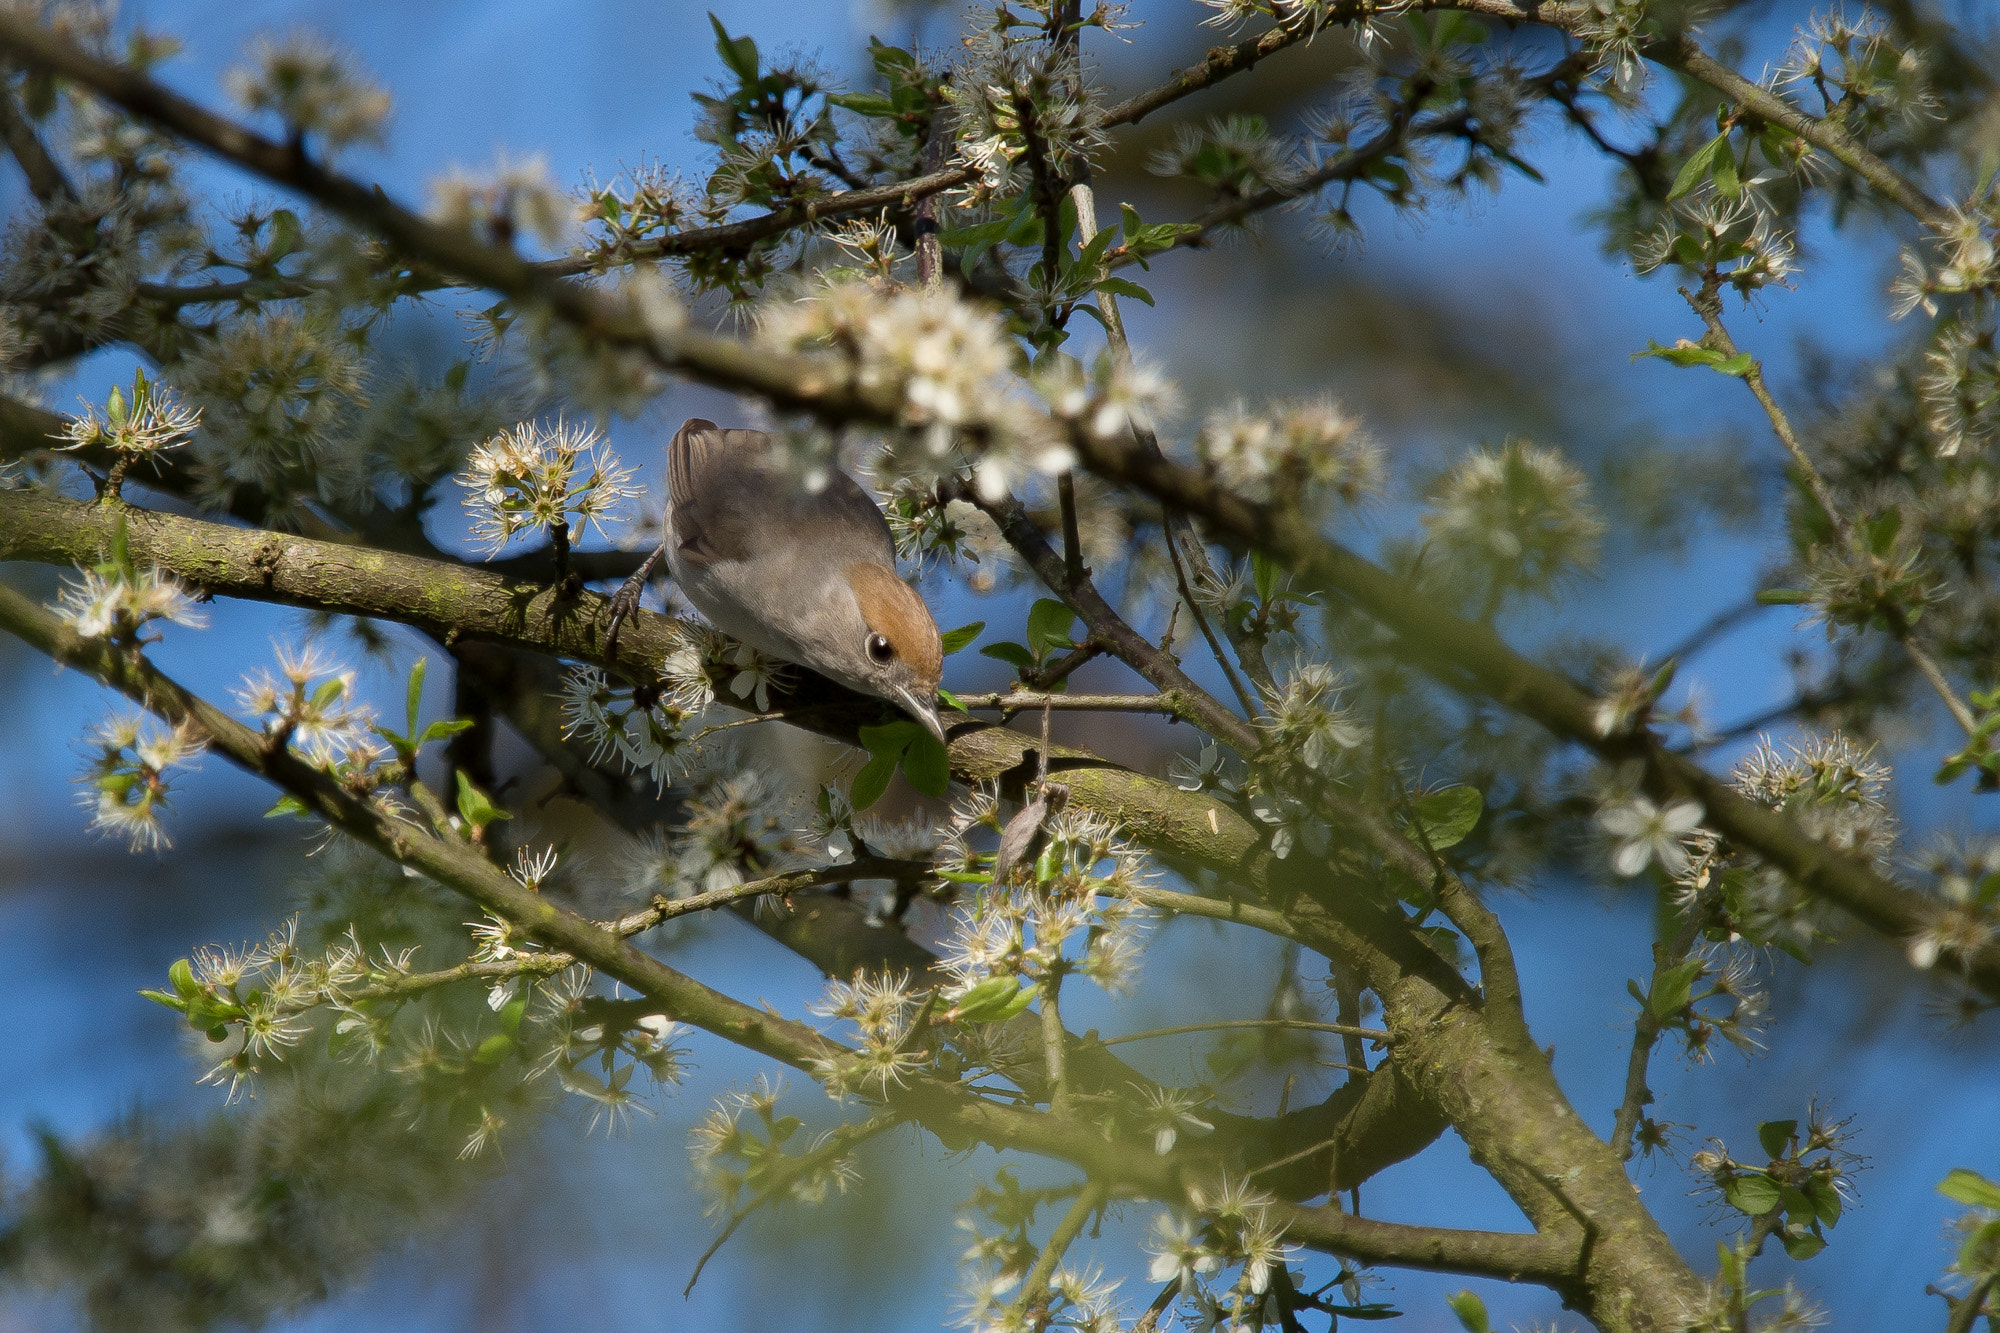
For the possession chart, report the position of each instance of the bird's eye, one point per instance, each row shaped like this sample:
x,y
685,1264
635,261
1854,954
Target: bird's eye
x,y
880,650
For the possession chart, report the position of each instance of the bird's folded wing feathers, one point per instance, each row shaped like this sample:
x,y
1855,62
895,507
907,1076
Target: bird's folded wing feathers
x,y
722,489
705,471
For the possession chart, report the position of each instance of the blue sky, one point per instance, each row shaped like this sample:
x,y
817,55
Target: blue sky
x,y
609,1228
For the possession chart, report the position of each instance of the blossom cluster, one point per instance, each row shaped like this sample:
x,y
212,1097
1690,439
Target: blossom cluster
x,y
126,781
738,1149
153,419
1294,452
310,705
946,363
311,85
265,999
535,476
1018,102
1514,519
518,196
1833,789
115,601
1064,912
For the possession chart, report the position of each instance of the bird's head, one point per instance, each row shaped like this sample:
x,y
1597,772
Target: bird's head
x,y
891,650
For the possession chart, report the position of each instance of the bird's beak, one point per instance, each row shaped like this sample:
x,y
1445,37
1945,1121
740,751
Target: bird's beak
x,y
923,712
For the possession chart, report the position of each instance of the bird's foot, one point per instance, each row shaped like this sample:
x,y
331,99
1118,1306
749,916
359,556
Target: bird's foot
x,y
624,603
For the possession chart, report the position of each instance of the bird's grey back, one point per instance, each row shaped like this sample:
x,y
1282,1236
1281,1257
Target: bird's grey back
x,y
724,487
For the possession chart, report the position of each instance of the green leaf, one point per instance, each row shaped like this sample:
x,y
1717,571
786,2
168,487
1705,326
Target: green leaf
x,y
1969,1187
1751,1195
413,693
889,59
1802,1244
1093,254
890,739
171,1001
980,233
443,727
474,806
288,805
1013,654
1696,168
494,1049
287,236
739,53
1443,818
1264,572
1882,531
205,1013
328,691
1981,1252
1797,1207
1671,989
1724,173
181,977
927,765
1729,1266
955,639
1825,1199
1142,239
1685,354
951,700
864,104
994,1000
1471,1311
871,782
1049,623
1774,1135
1123,287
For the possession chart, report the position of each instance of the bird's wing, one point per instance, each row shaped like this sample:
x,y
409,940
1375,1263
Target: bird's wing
x,y
710,476
722,490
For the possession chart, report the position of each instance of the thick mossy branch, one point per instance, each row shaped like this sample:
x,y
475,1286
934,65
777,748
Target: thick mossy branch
x,y
1487,1079
955,1114
452,602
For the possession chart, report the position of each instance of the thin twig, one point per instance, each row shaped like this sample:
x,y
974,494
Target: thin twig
x,y
1019,701
1717,625
1054,1040
46,179
929,246
1232,1024
1646,1030
1131,647
1708,304
1034,1287
1242,691
841,1141
1966,1309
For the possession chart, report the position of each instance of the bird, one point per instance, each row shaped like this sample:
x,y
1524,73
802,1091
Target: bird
x,y
802,575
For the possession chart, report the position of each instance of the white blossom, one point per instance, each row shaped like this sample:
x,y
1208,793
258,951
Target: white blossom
x,y
1647,833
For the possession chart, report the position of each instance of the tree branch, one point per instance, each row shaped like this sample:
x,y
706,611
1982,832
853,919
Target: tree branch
x,y
46,180
1465,655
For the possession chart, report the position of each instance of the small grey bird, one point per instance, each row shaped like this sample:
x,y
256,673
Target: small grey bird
x,y
803,576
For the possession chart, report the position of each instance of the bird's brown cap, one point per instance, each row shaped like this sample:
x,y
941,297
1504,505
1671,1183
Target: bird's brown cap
x,y
895,612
